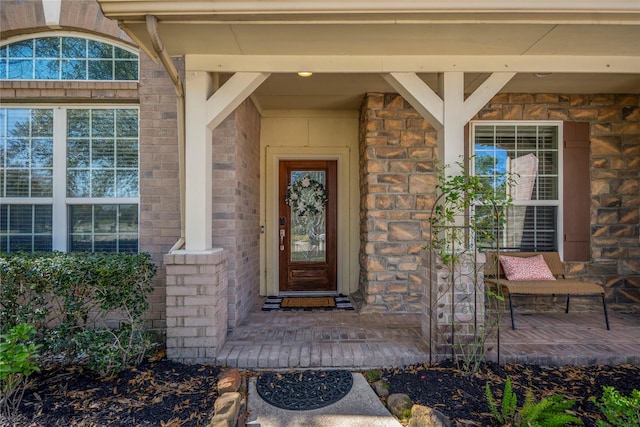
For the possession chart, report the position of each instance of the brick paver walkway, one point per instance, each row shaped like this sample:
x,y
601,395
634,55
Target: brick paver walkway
x,y
345,339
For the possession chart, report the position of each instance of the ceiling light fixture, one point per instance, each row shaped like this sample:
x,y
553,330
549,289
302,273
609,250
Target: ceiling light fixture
x,y
305,73
542,74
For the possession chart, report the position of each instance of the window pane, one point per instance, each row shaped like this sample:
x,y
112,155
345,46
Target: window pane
x,y
17,183
99,50
102,154
127,183
47,69
48,47
127,153
102,123
74,47
41,183
103,228
25,228
73,69
21,49
20,69
78,184
103,183
18,153
67,58
124,54
126,70
42,123
127,123
78,153
105,219
42,153
100,70
78,123
26,144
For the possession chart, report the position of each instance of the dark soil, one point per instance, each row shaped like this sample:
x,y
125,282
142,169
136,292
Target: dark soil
x,y
169,394
462,397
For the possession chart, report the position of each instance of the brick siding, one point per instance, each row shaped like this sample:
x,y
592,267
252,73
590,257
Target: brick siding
x,y
236,205
159,190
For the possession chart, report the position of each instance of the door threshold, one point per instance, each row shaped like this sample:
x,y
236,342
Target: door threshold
x,y
308,294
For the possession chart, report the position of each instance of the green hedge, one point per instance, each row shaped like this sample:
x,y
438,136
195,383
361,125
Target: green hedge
x,y
81,304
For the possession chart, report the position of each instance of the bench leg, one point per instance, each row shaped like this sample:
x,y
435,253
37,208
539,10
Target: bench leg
x,y
566,310
513,326
606,316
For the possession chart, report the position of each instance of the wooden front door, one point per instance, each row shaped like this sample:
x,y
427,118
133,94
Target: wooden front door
x,y
307,219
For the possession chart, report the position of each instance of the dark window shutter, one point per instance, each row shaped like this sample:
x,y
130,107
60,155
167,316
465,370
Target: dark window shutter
x,y
577,193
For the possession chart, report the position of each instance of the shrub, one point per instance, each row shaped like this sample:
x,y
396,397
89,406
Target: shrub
x,y
17,361
548,412
619,410
76,301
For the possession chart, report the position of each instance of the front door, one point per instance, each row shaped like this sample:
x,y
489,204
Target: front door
x,y
307,226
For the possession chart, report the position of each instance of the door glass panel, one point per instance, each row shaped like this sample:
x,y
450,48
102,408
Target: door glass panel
x,y
307,200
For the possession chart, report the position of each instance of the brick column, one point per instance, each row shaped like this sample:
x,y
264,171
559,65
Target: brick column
x,y
196,305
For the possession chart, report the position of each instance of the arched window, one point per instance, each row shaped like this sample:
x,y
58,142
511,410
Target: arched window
x,y
67,58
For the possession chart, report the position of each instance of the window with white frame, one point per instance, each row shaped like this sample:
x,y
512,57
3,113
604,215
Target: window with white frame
x,y
68,174
529,153
69,179
53,57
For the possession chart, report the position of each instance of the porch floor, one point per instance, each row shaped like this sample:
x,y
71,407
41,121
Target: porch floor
x,y
347,339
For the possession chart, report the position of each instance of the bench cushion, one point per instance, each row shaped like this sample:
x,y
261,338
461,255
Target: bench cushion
x,y
549,287
526,268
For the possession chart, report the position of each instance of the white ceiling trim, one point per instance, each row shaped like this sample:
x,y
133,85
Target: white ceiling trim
x,y
368,7
416,64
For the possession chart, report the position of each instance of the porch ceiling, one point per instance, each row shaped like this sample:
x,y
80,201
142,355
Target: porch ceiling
x,y
608,33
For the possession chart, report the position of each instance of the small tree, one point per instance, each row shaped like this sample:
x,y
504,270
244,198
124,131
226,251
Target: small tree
x,y
467,216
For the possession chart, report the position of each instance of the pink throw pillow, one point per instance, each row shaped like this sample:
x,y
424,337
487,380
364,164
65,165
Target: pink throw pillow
x,y
530,268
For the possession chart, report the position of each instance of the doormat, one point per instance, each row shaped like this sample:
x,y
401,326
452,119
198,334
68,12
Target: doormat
x,y
307,303
302,391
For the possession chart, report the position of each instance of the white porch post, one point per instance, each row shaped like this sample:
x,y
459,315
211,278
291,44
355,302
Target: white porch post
x,y
450,112
203,114
451,136
198,163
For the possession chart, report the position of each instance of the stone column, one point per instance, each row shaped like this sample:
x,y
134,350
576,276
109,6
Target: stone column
x,y
455,309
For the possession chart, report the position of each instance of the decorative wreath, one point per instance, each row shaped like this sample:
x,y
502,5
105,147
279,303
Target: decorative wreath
x,y
306,196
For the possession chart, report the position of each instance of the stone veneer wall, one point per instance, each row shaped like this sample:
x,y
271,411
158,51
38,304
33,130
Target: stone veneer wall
x,y
615,181
236,205
397,181
159,192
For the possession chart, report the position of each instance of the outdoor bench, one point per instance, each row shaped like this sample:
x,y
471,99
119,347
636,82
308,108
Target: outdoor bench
x,y
495,275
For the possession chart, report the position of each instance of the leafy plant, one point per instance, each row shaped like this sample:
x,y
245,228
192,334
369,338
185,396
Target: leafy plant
x,y
619,410
467,216
18,360
548,412
88,305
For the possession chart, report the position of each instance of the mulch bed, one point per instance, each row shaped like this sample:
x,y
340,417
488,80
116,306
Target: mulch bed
x,y
169,394
155,393
462,397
